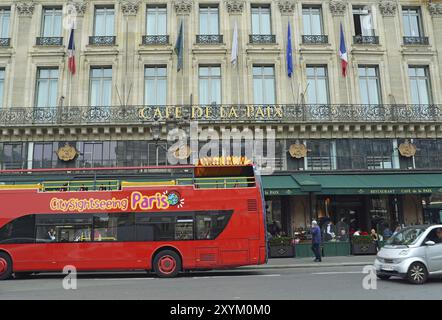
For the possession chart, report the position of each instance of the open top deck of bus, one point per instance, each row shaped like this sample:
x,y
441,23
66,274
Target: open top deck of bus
x,y
120,178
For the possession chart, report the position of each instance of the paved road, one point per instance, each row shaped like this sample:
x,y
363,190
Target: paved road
x,y
296,283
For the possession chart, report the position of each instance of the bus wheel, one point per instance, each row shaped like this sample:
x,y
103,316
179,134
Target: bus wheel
x,y
5,266
167,264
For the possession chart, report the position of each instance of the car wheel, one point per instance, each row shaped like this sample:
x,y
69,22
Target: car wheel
x,y
5,266
417,273
167,264
383,277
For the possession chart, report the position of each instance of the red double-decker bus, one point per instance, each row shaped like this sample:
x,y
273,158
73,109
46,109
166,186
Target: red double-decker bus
x,y
161,219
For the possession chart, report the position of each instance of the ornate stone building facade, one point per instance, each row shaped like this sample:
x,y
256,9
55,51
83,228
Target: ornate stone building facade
x,y
126,93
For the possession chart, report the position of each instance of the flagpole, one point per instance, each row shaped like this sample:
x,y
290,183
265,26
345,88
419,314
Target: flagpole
x,y
182,68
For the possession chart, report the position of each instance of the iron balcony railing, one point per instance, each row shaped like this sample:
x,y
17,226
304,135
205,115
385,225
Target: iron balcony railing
x,y
365,39
155,40
315,39
416,40
49,41
102,40
296,113
209,39
262,38
5,42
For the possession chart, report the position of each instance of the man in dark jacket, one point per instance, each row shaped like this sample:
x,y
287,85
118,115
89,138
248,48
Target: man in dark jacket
x,y
316,241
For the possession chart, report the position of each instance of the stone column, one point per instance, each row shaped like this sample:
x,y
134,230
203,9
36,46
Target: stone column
x,y
235,73
436,17
25,10
74,96
342,85
183,10
392,41
287,8
127,38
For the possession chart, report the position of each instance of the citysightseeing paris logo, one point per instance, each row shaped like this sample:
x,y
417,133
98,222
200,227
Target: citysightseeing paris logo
x,y
136,201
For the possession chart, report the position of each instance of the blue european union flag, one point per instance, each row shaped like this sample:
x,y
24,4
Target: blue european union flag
x,y
289,53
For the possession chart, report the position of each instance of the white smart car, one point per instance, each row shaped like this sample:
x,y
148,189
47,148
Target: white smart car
x,y
414,253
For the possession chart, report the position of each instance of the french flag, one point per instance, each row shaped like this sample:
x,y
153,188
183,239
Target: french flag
x,y
71,52
343,54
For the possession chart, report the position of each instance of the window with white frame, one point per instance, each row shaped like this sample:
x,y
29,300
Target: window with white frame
x,y
46,87
5,17
369,85
209,78
209,20
317,85
52,22
155,85
412,22
104,21
2,86
264,91
312,20
156,21
420,85
100,87
261,20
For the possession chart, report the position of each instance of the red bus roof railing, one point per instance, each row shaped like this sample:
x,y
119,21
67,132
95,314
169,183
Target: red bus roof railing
x,y
115,168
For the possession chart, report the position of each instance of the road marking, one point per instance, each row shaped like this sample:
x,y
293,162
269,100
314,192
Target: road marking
x,y
340,272
234,277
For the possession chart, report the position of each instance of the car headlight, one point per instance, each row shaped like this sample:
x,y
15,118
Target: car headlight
x,y
404,252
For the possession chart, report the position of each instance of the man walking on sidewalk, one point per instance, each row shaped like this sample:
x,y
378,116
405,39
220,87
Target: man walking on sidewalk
x,y
316,240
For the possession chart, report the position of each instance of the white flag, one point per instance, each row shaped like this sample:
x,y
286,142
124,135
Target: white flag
x,y
234,56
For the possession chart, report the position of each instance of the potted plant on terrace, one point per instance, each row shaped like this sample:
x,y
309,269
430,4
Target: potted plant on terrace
x,y
363,244
281,246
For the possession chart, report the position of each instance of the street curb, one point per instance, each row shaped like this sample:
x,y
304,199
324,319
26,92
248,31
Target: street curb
x,y
309,265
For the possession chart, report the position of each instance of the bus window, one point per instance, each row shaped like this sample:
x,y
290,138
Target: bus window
x,y
64,228
20,230
114,227
210,225
156,228
184,228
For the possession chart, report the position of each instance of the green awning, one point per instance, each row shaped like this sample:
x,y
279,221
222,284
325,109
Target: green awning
x,y
373,184
280,185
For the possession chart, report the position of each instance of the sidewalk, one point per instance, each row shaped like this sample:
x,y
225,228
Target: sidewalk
x,y
282,263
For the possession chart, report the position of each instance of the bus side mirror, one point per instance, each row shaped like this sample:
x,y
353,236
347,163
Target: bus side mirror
x,y
430,243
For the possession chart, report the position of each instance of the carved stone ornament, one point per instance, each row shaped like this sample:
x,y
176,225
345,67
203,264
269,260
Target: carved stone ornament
x,y
80,7
235,6
407,149
435,9
182,153
287,7
337,7
388,7
298,150
25,8
67,153
183,6
130,7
